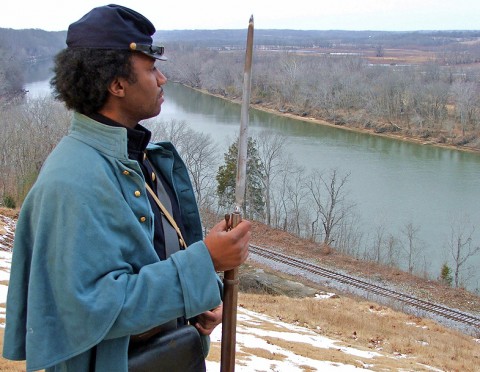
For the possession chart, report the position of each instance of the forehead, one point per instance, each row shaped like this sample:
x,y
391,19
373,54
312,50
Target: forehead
x,y
140,59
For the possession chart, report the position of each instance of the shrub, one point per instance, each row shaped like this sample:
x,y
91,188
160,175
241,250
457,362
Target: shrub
x,y
446,275
9,202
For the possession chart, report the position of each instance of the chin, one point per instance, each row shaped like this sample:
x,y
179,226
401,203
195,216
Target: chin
x,y
152,115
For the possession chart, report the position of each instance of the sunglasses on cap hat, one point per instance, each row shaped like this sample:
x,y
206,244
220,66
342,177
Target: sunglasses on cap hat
x,y
153,51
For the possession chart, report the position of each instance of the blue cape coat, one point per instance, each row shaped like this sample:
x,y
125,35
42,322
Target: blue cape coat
x,y
84,270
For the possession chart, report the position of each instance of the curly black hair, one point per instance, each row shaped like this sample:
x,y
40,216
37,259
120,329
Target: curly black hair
x,y
82,76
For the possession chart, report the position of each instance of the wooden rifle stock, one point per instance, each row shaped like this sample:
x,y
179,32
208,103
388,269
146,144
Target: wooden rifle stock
x,y
229,317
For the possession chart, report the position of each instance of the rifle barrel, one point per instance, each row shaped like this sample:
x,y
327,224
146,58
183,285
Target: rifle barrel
x,y
230,278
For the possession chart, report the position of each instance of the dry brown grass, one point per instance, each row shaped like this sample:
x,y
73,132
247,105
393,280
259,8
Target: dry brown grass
x,y
403,56
366,325
10,213
262,353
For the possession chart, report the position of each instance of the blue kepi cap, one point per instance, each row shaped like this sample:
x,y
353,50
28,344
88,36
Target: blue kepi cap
x,y
114,27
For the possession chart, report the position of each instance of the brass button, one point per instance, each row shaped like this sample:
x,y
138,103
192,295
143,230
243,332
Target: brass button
x,y
126,172
137,193
153,176
143,219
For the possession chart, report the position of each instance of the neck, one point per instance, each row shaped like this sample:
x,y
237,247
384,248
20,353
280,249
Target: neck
x,y
117,117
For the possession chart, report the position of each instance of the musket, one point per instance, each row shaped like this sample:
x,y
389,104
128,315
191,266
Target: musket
x,y
230,277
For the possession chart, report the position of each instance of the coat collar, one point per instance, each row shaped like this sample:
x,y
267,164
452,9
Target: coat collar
x,y
138,137
109,140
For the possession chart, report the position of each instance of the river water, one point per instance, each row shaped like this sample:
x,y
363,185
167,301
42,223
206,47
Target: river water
x,y
392,182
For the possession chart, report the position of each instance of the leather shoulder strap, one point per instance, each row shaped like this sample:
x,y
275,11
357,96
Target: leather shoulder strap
x,y
167,216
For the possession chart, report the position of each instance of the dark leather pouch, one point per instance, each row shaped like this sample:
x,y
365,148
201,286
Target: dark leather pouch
x,y
174,350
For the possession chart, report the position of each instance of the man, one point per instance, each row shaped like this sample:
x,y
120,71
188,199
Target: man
x,y
95,261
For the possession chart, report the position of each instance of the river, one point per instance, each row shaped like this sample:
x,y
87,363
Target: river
x,y
392,182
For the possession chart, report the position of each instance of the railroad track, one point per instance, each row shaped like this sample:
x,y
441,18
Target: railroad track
x,y
306,266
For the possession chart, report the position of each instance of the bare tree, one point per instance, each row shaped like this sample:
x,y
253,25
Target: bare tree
x,y
329,199
461,246
431,99
379,51
349,236
199,152
224,74
28,133
391,251
188,67
279,202
11,72
296,198
200,156
288,66
411,247
378,243
288,198
466,98
270,146
174,131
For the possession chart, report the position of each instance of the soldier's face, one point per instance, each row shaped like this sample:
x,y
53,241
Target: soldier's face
x,y
143,99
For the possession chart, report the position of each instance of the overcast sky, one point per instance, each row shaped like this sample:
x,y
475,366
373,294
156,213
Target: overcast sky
x,y
388,15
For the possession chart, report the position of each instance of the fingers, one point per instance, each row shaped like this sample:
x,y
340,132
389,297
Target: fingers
x,y
243,234
221,226
242,228
228,249
207,321
240,236
204,331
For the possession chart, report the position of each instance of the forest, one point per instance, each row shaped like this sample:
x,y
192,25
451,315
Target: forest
x,y
428,90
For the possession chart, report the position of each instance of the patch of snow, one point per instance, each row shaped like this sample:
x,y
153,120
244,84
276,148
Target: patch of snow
x,y
380,312
5,262
430,368
7,231
3,293
255,338
423,343
324,295
416,325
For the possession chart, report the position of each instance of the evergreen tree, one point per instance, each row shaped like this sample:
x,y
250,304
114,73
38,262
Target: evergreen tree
x,y
446,275
254,204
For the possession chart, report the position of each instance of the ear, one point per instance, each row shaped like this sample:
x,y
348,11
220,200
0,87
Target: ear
x,y
117,87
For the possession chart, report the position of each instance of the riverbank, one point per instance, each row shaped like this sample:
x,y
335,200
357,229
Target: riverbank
x,y
387,130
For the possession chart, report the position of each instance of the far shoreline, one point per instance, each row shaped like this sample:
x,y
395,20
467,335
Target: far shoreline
x,y
309,119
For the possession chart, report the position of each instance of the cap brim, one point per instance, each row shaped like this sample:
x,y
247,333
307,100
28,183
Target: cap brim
x,y
154,55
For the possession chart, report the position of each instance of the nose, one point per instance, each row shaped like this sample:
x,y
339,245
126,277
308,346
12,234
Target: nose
x,y
161,79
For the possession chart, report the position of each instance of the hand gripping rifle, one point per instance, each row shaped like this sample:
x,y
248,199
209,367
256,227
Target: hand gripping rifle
x,y
230,278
